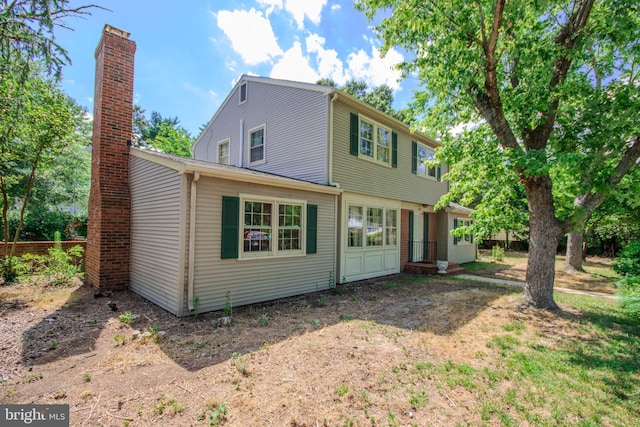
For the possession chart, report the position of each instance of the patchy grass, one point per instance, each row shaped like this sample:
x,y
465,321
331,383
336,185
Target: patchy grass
x,y
598,275
402,350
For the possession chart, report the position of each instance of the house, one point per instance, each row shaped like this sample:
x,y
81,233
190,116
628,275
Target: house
x,y
293,187
386,216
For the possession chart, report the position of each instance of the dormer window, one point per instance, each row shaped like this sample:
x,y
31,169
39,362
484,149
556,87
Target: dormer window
x,y
243,92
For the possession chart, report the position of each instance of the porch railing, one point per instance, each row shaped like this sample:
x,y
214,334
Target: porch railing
x,y
421,251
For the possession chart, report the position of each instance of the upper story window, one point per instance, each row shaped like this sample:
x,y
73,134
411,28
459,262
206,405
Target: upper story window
x,y
420,155
243,92
223,152
373,141
256,145
424,155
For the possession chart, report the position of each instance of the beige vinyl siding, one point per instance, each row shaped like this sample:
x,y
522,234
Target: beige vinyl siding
x,y
157,227
254,280
358,175
295,121
462,252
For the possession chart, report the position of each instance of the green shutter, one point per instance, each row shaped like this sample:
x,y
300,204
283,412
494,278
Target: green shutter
x,y
414,157
410,242
230,227
312,229
354,134
455,225
439,173
394,149
471,234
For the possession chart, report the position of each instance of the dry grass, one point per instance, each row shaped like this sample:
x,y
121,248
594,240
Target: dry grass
x,y
598,275
396,351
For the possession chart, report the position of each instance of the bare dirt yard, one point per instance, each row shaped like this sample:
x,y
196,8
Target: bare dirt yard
x,y
394,351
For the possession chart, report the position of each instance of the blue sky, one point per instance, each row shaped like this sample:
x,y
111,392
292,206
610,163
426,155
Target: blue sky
x,y
190,53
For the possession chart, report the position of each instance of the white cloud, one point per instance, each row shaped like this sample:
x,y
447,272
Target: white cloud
x,y
328,63
374,69
312,9
251,35
294,65
336,7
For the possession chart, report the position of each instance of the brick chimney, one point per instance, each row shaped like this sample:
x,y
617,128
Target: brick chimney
x,y
108,242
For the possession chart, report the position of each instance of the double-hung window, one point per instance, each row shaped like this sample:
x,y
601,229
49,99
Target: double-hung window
x,y
467,237
372,141
223,152
256,145
421,154
258,227
272,227
425,154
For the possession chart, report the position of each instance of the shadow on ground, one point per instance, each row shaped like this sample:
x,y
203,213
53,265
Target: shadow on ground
x,y
405,302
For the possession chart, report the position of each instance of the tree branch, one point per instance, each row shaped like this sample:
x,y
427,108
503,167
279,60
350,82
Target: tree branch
x,y
471,36
590,202
566,39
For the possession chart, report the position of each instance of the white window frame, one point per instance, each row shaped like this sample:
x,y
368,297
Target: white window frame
x,y
243,87
375,143
226,142
264,144
275,203
427,170
365,228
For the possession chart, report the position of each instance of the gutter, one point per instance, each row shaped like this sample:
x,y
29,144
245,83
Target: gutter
x,y
192,239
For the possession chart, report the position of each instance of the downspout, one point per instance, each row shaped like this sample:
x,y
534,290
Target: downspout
x,y
241,150
330,157
192,238
336,208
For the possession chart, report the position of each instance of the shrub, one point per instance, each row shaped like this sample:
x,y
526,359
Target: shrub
x,y
497,252
57,267
629,294
628,263
41,224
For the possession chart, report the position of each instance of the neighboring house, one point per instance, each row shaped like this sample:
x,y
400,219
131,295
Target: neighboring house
x,y
319,134
294,187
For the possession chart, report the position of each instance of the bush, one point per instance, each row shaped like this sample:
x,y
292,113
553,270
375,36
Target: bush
x,y
497,252
628,263
57,268
629,294
41,224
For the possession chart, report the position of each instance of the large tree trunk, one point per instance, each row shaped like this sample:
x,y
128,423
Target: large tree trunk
x,y
544,234
573,261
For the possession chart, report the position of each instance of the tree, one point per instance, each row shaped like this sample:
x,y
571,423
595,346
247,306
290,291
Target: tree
x,y
525,72
489,187
27,36
67,181
160,133
46,126
619,202
35,117
380,97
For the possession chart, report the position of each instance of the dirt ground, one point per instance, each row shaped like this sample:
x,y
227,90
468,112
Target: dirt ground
x,y
596,277
327,358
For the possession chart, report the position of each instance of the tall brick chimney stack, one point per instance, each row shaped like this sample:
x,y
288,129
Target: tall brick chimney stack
x,y
108,241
